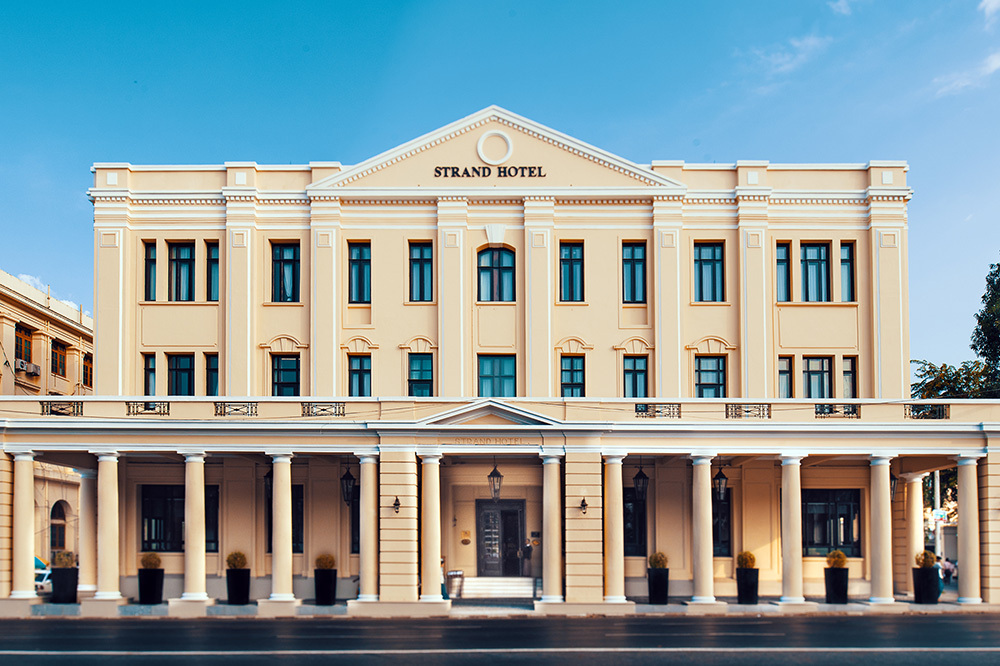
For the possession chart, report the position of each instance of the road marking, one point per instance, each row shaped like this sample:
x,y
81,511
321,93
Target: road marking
x,y
446,651
700,633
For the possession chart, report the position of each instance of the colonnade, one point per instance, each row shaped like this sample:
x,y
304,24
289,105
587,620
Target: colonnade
x,y
99,559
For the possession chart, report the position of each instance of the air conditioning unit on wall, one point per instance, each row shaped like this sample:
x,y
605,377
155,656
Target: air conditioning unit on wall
x,y
33,370
20,365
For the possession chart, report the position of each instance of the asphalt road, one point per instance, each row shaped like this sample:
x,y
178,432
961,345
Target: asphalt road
x,y
871,640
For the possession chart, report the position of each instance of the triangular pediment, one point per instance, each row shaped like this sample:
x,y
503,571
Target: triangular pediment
x,y
489,413
493,151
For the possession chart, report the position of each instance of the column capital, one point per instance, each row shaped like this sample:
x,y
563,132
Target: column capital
x,y
968,458
193,456
106,456
791,459
367,458
550,458
280,457
878,460
23,456
614,458
913,477
701,458
430,458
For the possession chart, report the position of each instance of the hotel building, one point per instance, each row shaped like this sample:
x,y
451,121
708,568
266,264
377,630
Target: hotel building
x,y
498,298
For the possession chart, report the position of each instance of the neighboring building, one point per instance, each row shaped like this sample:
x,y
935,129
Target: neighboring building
x,y
497,295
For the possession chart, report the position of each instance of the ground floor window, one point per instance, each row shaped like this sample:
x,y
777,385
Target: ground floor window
x,y
831,520
635,525
163,518
298,513
722,525
356,520
57,527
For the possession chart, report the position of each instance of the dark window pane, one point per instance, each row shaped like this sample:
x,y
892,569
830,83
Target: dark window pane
x,y
181,272
211,374
708,272
571,271
785,377
634,272
421,272
496,275
635,380
831,520
635,524
722,530
360,272
212,293
359,375
285,375
285,272
497,377
180,374
421,375
815,272
816,378
571,377
150,271
710,376
847,272
783,274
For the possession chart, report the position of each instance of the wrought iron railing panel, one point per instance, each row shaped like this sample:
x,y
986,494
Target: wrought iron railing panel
x,y
145,408
748,411
827,411
61,408
666,410
324,409
935,412
236,409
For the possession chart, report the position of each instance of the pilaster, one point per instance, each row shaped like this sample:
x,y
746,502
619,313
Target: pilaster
x,y
756,349
325,294
665,295
454,294
539,291
237,290
584,526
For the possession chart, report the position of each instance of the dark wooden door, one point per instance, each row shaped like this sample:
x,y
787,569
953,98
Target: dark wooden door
x,y
500,532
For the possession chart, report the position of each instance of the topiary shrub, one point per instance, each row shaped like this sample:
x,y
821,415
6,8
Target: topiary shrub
x,y
150,561
658,560
326,561
926,559
236,560
836,559
746,560
63,559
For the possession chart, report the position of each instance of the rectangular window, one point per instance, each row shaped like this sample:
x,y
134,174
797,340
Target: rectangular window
x,y
57,537
163,518
816,378
634,272
850,377
421,272
570,271
360,277
421,375
636,380
58,358
710,376
212,278
496,275
831,520
285,374
298,516
815,272
634,524
785,377
847,273
149,374
356,520
88,371
783,273
284,272
211,374
149,288
181,272
22,344
497,376
359,375
709,273
722,529
180,374
571,377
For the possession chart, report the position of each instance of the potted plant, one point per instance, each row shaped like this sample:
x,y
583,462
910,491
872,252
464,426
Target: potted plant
x,y
326,579
926,579
836,577
65,576
237,579
150,580
658,577
747,578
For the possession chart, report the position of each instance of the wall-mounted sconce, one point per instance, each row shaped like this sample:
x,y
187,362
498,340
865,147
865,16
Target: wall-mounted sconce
x,y
893,481
454,521
396,505
583,506
347,483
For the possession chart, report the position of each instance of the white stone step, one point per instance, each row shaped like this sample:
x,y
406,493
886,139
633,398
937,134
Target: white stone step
x,y
489,587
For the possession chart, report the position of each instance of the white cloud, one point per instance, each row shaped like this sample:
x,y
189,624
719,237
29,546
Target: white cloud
x,y
990,9
797,52
956,83
844,7
44,288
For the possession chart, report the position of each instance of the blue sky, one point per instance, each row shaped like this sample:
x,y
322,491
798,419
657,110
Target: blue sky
x,y
797,81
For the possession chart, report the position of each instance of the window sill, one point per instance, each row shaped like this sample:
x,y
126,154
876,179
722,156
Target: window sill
x,y
282,304
635,305
822,304
571,303
419,302
498,303
699,304
154,303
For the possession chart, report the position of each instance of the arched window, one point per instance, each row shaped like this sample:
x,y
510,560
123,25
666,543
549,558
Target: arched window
x,y
496,274
57,527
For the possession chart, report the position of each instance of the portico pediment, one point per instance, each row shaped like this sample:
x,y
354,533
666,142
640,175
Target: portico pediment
x,y
495,151
489,412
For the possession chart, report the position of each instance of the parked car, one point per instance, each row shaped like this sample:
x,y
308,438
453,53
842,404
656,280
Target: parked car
x,y
43,581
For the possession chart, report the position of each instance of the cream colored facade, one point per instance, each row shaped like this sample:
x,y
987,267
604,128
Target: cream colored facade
x,y
779,289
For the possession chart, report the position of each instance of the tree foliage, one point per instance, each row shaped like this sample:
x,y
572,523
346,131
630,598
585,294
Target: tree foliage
x,y
969,380
986,334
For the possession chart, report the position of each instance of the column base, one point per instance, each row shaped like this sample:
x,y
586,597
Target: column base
x,y
551,599
970,600
86,591
615,600
12,607
577,608
880,601
97,607
189,607
358,608
366,598
277,607
23,594
431,598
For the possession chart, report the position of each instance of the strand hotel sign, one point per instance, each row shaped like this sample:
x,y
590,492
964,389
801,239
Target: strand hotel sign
x,y
488,149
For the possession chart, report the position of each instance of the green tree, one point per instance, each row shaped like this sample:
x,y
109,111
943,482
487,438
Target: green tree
x,y
986,334
969,380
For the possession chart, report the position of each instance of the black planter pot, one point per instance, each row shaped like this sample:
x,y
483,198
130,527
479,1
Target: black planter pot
x,y
238,587
746,585
659,585
326,586
64,585
150,586
836,585
926,586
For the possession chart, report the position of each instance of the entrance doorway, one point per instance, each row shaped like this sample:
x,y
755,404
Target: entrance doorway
x,y
500,533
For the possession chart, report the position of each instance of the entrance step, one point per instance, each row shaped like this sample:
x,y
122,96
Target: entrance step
x,y
490,587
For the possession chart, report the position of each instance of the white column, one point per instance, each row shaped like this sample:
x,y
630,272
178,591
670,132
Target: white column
x,y
88,532
791,529
281,528
914,521
23,575
968,532
701,510
430,528
108,584
368,512
194,528
614,531
552,567
881,532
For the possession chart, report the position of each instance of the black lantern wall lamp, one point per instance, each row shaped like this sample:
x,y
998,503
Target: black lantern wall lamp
x,y
496,480
396,505
719,482
347,483
640,482
583,506
893,481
